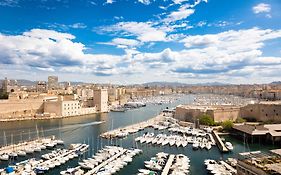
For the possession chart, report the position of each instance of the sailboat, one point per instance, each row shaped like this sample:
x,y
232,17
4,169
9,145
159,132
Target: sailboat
x,y
21,152
13,154
4,156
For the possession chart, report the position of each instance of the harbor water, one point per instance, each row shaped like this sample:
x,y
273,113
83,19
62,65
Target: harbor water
x,y
86,129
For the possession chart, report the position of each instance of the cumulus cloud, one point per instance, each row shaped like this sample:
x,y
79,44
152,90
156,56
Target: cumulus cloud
x,y
50,50
182,13
262,8
144,31
225,55
123,43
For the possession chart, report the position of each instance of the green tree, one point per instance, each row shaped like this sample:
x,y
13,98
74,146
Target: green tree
x,y
3,95
227,125
240,120
206,120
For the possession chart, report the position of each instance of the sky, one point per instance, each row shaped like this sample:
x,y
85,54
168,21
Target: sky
x,y
137,41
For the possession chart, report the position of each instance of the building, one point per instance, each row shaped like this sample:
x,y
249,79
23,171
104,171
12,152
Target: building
x,y
258,163
219,113
263,111
259,133
101,100
59,107
41,86
53,82
10,85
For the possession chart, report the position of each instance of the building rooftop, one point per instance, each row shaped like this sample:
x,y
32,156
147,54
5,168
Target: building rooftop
x,y
267,162
272,129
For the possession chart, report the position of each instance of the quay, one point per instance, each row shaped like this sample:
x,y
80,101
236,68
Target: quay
x,y
219,142
21,146
93,171
122,132
168,165
49,161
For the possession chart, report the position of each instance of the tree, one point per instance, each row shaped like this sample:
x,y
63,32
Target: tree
x,y
240,120
3,95
227,125
206,120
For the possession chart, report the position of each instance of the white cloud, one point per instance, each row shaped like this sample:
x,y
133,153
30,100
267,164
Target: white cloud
x,y
262,8
182,13
179,1
123,43
109,1
78,26
146,2
145,32
231,55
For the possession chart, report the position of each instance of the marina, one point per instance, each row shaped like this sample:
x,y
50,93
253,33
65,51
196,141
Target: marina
x,y
70,128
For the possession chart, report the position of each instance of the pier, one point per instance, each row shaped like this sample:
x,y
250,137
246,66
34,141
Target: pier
x,y
23,145
219,142
93,171
168,165
121,132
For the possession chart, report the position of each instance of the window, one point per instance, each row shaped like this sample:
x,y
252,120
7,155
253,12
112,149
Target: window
x,y
265,114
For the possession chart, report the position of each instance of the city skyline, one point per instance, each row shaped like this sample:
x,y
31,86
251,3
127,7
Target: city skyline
x,y
138,41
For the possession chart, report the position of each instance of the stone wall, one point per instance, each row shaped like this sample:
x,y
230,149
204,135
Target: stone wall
x,y
218,114
262,112
18,108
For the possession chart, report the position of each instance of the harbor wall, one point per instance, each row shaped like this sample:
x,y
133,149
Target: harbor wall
x,y
184,113
19,108
262,112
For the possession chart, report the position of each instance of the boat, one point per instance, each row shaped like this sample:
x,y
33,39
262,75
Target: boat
x,y
119,109
229,146
4,157
21,153
195,145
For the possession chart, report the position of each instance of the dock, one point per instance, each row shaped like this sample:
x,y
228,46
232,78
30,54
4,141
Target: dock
x,y
94,170
133,128
168,165
219,142
23,145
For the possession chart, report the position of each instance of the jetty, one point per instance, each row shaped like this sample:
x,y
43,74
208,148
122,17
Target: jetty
x,y
219,142
124,131
168,165
23,145
95,170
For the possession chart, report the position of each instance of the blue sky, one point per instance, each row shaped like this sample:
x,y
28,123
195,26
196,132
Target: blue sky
x,y
135,41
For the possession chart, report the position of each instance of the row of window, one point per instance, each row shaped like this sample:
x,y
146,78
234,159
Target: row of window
x,y
72,108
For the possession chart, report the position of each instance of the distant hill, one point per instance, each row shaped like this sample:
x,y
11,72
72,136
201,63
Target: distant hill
x,y
276,82
177,84
163,84
23,82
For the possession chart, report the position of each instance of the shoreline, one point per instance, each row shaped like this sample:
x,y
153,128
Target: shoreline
x,y
45,118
